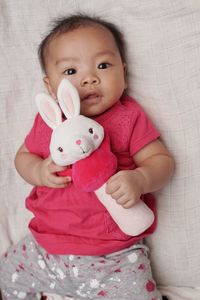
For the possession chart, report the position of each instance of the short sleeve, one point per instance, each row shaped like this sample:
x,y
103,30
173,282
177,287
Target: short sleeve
x,y
38,139
143,131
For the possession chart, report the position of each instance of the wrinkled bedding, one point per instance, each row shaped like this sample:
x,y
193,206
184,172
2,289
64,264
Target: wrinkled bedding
x,y
164,63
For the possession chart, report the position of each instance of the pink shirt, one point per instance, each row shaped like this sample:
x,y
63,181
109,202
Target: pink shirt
x,y
68,221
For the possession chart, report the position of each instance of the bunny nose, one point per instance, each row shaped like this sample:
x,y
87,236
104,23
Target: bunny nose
x,y
78,142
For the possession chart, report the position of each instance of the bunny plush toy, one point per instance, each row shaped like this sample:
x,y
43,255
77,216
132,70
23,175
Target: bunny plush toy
x,y
81,142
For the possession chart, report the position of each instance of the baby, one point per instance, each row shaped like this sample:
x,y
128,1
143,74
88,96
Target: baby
x,y
76,249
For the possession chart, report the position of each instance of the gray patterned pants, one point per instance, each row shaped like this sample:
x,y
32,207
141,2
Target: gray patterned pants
x,y
27,269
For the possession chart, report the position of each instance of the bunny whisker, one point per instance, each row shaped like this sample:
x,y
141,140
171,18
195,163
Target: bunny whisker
x,y
83,150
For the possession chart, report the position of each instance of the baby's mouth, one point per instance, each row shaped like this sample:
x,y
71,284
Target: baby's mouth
x,y
91,96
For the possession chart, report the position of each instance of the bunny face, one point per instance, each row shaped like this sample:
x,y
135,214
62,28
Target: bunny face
x,y
75,139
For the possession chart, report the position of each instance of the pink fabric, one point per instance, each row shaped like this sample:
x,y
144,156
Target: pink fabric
x,y
91,173
69,221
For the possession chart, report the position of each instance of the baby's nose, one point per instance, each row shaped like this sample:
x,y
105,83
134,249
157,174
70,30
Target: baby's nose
x,y
78,142
91,79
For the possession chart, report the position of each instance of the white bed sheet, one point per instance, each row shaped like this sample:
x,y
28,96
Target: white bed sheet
x,y
164,63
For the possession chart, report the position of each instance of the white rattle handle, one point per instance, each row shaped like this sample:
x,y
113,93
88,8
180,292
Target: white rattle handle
x,y
132,221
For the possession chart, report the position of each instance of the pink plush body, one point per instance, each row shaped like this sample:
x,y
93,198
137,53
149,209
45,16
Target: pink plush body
x,y
92,172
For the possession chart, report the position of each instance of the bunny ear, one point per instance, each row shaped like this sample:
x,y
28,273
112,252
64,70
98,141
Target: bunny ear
x,y
68,99
49,110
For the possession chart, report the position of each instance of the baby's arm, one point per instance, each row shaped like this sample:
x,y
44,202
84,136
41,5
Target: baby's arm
x,y
38,171
155,166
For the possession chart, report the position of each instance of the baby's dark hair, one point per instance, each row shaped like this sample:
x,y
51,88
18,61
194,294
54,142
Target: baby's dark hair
x,y
67,24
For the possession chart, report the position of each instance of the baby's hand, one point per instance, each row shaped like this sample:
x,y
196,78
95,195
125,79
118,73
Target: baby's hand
x,y
126,187
48,174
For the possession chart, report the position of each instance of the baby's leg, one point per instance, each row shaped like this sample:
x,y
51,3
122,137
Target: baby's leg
x,y
124,275
27,270
132,279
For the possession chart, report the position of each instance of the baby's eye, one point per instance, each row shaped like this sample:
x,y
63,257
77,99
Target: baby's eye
x,y
91,130
60,149
70,71
103,65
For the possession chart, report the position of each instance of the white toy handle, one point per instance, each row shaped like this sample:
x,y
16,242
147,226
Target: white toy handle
x,y
132,221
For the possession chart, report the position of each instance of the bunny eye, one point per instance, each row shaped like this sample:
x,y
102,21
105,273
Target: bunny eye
x,y
91,130
60,149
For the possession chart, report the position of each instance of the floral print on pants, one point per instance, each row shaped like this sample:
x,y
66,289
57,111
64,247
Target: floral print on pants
x,y
27,270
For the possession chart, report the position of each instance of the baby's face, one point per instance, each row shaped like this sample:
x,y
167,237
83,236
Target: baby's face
x,y
89,58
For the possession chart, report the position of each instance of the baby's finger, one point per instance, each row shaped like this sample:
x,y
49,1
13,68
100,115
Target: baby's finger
x,y
123,199
128,204
114,177
58,181
53,168
117,194
112,186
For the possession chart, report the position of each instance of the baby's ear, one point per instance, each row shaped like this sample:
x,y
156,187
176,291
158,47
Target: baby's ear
x,y
125,75
48,87
68,99
49,110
